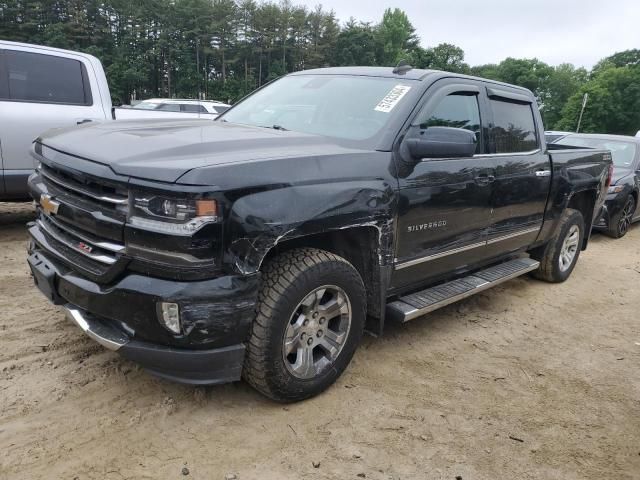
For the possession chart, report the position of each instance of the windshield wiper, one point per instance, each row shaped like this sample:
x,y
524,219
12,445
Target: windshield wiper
x,y
276,127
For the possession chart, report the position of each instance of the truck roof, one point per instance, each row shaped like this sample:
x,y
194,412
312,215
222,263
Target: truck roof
x,y
413,74
7,43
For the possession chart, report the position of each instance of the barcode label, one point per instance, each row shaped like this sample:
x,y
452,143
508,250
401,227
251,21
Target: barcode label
x,y
392,98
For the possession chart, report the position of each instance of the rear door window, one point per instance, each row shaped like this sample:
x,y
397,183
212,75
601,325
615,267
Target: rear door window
x,y
34,77
514,128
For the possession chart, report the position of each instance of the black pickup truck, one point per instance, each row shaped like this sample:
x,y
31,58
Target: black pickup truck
x,y
262,245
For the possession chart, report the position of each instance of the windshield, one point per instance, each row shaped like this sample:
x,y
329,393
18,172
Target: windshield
x,y
622,152
343,107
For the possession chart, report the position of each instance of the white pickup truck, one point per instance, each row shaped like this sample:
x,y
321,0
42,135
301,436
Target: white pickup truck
x,y
43,88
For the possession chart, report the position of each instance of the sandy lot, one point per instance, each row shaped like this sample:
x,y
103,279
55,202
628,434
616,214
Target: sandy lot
x,y
526,381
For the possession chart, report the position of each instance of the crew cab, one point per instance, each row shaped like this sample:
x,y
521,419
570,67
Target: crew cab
x,y
327,203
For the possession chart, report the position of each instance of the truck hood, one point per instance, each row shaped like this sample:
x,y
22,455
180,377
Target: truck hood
x,y
164,150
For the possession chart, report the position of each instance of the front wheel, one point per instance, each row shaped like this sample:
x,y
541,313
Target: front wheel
x,y
310,318
620,224
561,254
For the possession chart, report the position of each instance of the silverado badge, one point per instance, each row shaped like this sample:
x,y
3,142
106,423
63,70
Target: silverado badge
x,y
48,204
427,226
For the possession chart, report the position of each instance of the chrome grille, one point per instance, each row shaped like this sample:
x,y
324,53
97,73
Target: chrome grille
x,y
103,195
87,229
85,244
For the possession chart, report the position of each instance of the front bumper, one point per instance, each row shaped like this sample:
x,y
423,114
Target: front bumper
x,y
613,205
602,222
216,317
196,367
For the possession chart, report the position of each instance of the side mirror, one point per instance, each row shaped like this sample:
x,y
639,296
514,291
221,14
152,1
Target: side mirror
x,y
442,142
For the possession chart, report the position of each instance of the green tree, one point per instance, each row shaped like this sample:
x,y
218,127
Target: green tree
x,y
530,73
356,44
445,57
223,49
489,70
613,106
565,81
619,59
396,37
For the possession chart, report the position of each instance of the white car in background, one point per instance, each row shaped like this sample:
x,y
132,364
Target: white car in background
x,y
43,88
172,108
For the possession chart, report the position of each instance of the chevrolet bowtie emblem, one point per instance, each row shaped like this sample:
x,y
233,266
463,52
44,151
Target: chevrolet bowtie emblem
x,y
48,204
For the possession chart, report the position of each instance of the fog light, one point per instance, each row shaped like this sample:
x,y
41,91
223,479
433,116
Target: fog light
x,y
170,316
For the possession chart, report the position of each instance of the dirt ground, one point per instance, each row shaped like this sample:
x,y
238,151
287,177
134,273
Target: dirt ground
x,y
526,381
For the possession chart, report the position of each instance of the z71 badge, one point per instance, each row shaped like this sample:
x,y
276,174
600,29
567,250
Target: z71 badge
x,y
427,226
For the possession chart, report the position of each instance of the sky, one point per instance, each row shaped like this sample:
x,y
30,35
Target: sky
x,y
581,32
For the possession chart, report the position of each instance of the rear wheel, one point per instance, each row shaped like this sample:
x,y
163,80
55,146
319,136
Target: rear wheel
x,y
561,254
310,319
620,224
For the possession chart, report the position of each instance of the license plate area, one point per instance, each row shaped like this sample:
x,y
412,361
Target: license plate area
x,y
44,276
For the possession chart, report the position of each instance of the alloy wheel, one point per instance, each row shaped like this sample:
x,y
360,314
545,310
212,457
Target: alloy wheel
x,y
569,248
317,332
626,217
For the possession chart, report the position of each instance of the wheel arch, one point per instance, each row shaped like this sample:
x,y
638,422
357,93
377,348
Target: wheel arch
x,y
365,247
584,202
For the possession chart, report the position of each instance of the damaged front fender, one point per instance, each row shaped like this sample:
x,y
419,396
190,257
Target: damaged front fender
x,y
261,221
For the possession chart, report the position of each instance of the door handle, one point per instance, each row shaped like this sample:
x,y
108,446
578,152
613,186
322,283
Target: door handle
x,y
483,180
543,173
85,120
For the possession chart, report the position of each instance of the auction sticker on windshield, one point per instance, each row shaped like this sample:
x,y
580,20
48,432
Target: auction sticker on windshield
x,y
392,98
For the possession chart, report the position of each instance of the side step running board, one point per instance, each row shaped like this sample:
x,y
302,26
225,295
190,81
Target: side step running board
x,y
419,303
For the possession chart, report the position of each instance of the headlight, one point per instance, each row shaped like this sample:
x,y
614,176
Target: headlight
x,y
170,215
615,188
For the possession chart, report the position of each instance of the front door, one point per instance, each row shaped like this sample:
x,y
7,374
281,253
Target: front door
x,y
444,204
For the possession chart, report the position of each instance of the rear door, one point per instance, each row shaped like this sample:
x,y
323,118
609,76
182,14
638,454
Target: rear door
x,y
43,91
444,204
522,171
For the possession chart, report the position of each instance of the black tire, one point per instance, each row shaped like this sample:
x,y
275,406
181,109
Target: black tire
x,y
620,223
550,269
287,280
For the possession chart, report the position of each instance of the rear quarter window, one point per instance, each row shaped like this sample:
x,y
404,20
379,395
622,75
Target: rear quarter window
x,y
35,77
514,129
